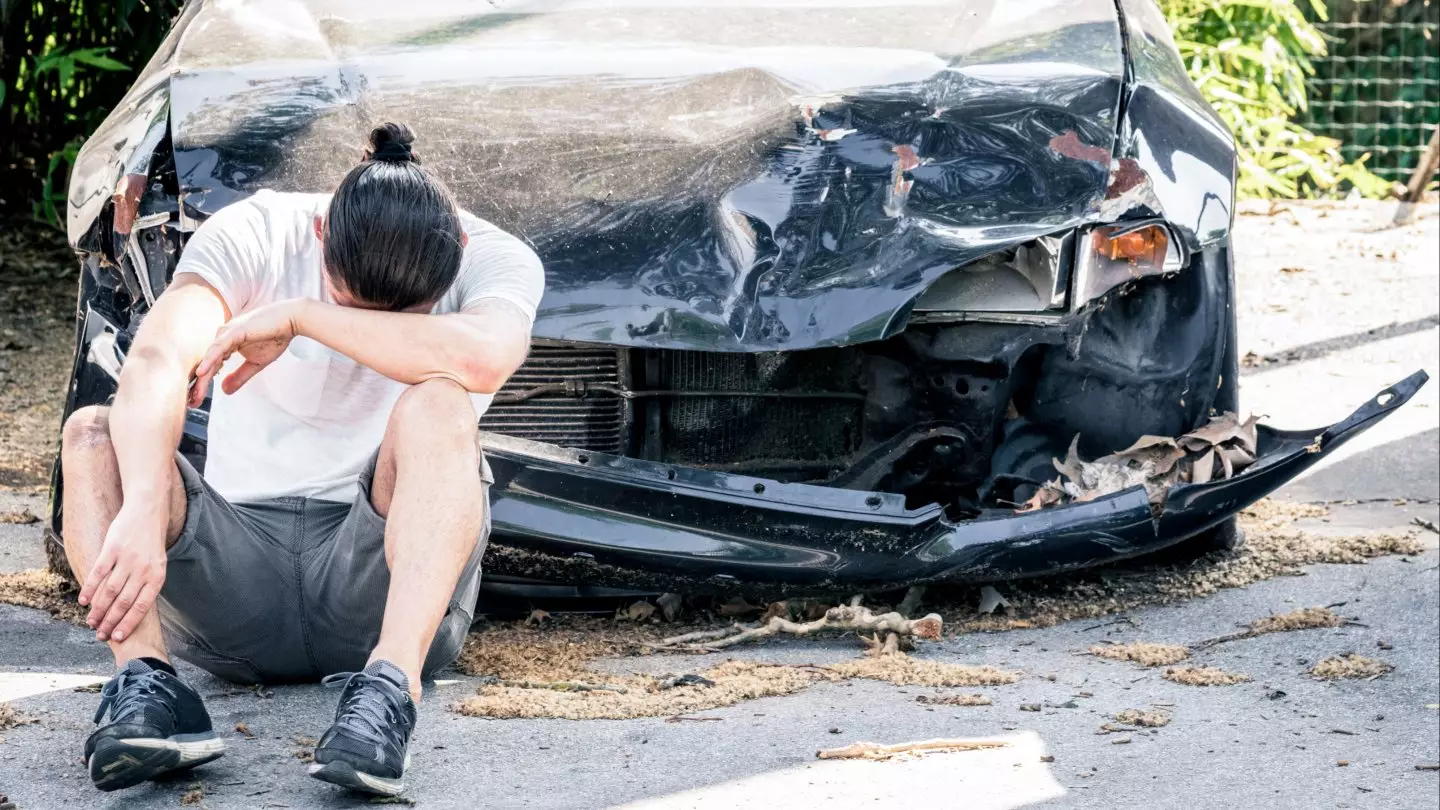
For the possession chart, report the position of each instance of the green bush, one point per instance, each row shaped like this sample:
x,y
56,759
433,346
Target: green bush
x,y
63,66
1251,59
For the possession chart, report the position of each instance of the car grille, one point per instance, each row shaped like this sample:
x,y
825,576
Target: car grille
x,y
569,419
760,412
767,413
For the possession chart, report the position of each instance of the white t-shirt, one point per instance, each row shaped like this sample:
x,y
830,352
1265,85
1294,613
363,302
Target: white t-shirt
x,y
308,423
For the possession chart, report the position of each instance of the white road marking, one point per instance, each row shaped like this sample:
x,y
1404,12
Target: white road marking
x,y
995,779
16,685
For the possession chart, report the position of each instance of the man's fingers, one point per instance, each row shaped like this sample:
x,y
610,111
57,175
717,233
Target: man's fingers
x,y
200,387
206,370
96,577
141,605
215,355
240,376
105,596
119,608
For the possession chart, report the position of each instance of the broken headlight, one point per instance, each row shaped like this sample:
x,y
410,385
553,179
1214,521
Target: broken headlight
x,y
1031,278
1111,256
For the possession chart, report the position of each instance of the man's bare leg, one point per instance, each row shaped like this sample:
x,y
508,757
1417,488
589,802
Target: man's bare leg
x,y
427,486
92,498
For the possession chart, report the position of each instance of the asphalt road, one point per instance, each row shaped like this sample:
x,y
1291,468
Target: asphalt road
x,y
1327,336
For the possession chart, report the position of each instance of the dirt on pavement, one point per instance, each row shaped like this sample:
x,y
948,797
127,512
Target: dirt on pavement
x,y
38,273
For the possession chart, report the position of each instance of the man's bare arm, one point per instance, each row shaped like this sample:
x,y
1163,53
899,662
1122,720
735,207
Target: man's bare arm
x,y
146,420
478,349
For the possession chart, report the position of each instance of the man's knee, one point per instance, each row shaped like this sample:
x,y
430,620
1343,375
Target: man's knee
x,y
86,431
434,408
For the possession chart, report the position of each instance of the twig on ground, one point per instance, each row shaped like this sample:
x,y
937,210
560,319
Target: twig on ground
x,y
876,646
562,686
1427,524
1228,637
700,635
816,668
1121,620
844,617
876,751
1302,619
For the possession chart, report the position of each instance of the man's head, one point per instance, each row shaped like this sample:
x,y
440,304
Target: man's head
x,y
392,237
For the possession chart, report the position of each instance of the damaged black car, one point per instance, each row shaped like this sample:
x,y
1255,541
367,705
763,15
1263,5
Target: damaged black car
x,y
841,297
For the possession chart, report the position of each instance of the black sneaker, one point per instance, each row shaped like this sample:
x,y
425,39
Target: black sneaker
x,y
365,749
157,725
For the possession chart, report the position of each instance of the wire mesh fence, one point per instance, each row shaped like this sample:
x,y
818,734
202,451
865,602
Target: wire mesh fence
x,y
1378,89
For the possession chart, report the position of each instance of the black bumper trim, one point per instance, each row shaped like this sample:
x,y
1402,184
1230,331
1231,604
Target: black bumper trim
x,y
629,523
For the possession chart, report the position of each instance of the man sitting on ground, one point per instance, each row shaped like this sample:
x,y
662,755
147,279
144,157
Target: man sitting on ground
x,y
338,529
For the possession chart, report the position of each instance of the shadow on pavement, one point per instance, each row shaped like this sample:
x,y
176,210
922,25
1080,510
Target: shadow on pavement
x,y
1404,468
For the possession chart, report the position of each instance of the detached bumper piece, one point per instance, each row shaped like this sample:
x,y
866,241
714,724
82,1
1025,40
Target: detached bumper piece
x,y
564,516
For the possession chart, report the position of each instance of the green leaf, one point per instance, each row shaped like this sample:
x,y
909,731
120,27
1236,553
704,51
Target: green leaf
x,y
95,57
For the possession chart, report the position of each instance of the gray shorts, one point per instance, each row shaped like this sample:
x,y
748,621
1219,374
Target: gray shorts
x,y
291,589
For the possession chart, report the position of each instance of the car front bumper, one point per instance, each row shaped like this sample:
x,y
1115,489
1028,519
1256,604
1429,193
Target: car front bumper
x,y
563,516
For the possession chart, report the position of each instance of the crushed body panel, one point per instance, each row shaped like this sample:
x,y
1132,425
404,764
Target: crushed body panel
x,y
693,175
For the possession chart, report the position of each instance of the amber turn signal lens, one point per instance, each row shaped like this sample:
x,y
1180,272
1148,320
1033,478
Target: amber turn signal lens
x,y
1147,245
1117,257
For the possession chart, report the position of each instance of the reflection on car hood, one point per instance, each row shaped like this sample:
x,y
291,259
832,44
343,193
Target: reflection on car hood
x,y
742,176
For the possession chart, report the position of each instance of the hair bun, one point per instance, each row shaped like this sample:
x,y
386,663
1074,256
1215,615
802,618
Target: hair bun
x,y
390,143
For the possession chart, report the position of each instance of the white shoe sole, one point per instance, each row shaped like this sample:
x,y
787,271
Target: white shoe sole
x,y
121,763
345,775
189,750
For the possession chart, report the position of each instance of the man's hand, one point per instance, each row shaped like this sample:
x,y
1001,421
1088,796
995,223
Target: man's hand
x,y
259,336
128,574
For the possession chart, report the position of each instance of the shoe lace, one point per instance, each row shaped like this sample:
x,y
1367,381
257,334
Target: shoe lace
x,y
366,712
130,693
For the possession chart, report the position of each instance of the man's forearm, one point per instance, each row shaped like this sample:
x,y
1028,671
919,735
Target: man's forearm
x,y
146,420
476,352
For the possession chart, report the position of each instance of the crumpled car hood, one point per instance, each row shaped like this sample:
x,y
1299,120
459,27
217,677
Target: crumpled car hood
x,y
742,177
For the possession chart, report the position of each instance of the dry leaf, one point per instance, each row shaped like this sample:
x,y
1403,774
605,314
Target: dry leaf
x,y
781,608
639,611
991,600
670,605
1204,468
1143,719
9,718
19,516
1048,495
1157,463
1162,453
737,606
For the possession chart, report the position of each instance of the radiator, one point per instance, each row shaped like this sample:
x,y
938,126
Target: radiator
x,y
568,419
808,411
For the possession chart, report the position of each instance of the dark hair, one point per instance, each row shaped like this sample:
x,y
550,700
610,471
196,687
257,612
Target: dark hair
x,y
392,234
